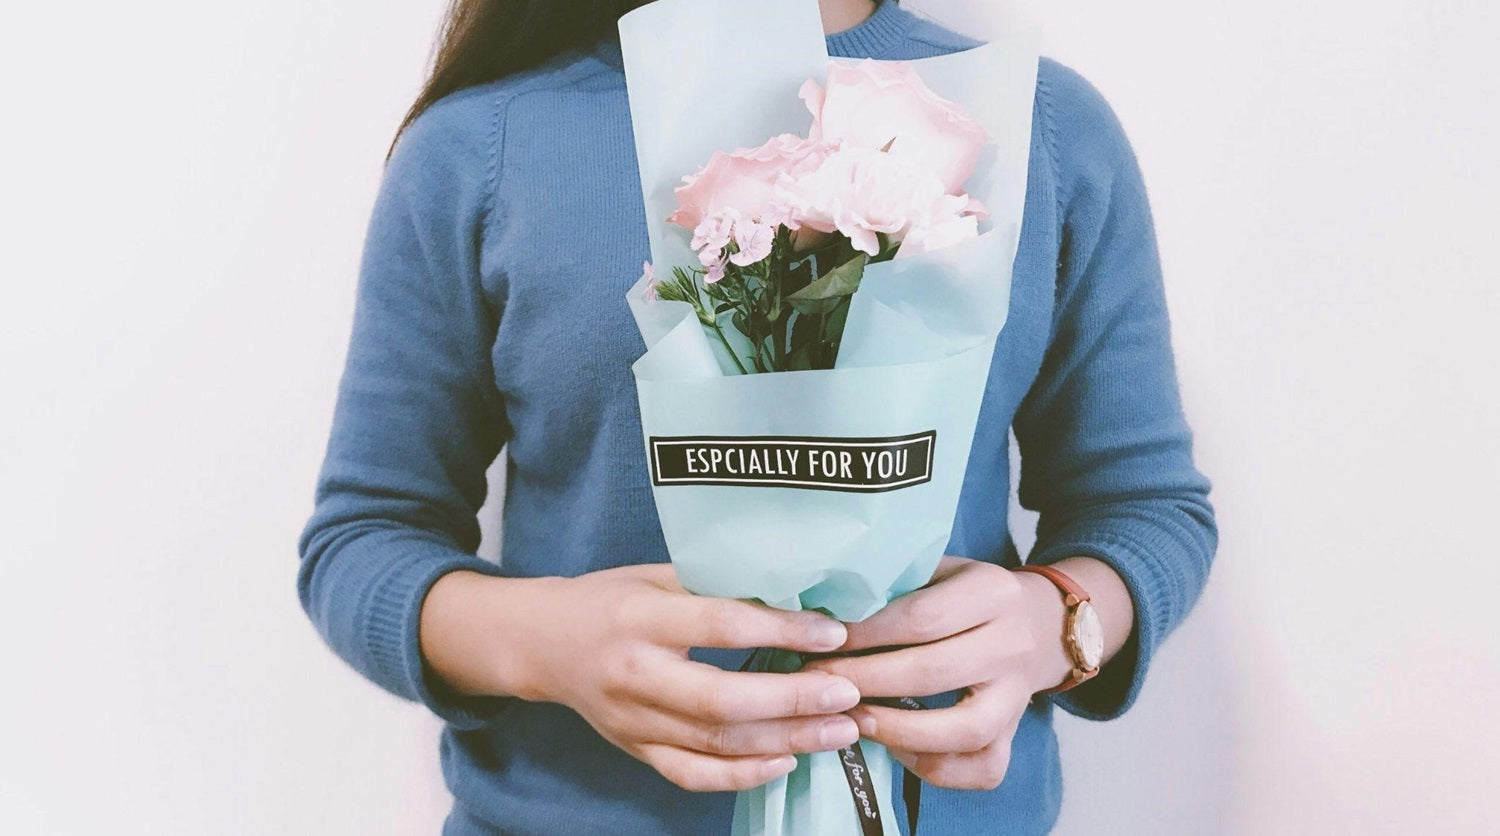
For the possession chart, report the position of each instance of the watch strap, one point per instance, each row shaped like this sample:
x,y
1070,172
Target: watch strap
x,y
1073,596
1061,580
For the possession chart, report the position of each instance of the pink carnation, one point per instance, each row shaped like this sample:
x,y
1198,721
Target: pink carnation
x,y
874,103
941,232
864,193
743,181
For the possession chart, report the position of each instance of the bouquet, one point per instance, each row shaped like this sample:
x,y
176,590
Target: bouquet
x,y
820,312
784,231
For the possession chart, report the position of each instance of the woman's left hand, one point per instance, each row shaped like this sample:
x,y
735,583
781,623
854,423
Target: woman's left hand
x,y
975,626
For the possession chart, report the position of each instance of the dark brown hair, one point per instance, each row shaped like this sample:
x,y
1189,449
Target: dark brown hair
x,y
483,40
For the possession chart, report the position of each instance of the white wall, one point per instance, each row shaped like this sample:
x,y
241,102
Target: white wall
x,y
183,192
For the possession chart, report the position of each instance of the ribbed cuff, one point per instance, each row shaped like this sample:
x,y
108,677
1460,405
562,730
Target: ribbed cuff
x,y
1142,554
391,634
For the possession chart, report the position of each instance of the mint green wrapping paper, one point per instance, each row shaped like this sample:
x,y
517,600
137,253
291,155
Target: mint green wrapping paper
x,y
920,335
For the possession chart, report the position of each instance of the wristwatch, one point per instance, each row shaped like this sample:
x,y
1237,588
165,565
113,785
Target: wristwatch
x,y
1083,635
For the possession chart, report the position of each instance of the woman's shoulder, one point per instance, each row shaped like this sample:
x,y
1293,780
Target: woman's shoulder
x,y
1080,129
1081,132
466,127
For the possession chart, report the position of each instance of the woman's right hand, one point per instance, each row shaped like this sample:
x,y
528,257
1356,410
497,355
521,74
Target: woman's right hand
x,y
613,644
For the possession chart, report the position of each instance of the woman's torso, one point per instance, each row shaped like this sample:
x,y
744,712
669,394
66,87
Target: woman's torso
x,y
566,240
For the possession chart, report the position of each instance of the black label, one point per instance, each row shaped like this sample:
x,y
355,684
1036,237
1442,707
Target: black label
x,y
865,465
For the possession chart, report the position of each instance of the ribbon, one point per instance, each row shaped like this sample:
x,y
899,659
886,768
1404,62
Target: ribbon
x,y
852,757
911,784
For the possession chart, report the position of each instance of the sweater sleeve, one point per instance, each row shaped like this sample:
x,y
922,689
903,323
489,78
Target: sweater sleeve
x,y
418,418
1106,452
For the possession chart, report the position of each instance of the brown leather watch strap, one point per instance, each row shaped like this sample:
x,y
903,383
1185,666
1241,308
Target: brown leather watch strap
x,y
1056,575
1073,595
1073,679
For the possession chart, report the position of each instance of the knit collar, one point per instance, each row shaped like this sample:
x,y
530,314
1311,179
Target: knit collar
x,y
875,36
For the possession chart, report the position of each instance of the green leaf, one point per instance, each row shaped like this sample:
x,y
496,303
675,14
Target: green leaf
x,y
825,292
800,360
669,292
804,331
812,307
830,354
833,326
760,327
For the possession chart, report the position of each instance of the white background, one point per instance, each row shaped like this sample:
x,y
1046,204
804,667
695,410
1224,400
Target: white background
x,y
183,193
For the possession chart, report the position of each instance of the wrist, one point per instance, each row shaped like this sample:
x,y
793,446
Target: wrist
x,y
472,633
1046,615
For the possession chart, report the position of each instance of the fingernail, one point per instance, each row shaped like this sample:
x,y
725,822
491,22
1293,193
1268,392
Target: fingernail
x,y
837,732
840,695
826,633
781,765
865,722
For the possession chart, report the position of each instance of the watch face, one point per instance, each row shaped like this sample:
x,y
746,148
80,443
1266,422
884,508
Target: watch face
x,y
1088,635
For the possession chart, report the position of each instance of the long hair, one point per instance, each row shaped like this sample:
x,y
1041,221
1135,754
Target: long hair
x,y
483,40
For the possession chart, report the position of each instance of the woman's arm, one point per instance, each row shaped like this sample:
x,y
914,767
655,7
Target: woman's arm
x,y
417,422
1106,452
1106,460
388,572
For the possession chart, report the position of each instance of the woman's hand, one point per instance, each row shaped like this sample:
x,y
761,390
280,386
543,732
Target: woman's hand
x,y
976,626
612,645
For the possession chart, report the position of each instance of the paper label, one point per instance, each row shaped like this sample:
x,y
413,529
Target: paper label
x,y
862,465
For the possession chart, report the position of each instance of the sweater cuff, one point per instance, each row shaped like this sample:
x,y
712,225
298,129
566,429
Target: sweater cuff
x,y
1140,554
391,634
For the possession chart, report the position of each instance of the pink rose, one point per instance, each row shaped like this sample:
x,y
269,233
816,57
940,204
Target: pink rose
x,y
743,181
863,193
872,103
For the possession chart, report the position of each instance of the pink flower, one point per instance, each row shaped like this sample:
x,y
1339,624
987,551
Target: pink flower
x,y
941,232
713,234
874,103
743,181
648,272
864,193
754,241
715,271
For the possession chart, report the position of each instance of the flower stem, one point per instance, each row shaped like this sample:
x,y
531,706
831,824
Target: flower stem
x,y
725,340
713,322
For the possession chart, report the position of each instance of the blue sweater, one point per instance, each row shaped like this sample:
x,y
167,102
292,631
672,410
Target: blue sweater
x,y
491,315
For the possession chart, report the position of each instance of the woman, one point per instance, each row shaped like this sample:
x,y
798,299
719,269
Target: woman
x,y
584,691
